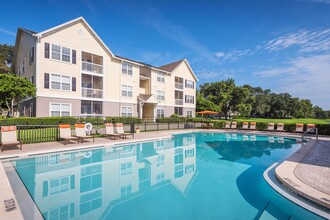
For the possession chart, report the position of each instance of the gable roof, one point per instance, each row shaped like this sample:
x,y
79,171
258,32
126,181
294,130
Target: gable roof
x,y
140,63
173,66
70,23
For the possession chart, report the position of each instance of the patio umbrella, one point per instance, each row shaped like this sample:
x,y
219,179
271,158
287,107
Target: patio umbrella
x,y
207,112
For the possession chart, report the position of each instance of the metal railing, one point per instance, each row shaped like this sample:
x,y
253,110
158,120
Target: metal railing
x,y
313,131
91,67
179,85
179,101
91,93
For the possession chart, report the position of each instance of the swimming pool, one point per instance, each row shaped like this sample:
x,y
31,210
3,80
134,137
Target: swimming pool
x,y
191,176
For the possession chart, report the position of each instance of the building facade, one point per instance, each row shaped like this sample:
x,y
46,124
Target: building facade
x,y
76,74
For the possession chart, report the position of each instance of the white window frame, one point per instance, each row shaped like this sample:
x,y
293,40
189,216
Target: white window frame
x,y
124,111
189,153
189,99
126,190
53,190
189,113
23,66
160,95
60,53
161,110
190,84
127,69
129,92
61,82
126,168
189,168
160,77
58,212
56,103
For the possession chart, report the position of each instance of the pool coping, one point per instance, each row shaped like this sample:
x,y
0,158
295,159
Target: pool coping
x,y
160,135
280,176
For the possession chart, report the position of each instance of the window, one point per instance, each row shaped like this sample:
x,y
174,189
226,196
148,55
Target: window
x,y
127,91
126,168
62,212
160,144
60,82
189,113
160,178
59,185
160,160
91,178
178,171
60,109
189,153
178,83
31,56
160,77
91,107
190,168
178,96
126,111
178,110
61,53
160,95
90,201
127,69
189,99
190,84
23,66
126,190
178,158
160,113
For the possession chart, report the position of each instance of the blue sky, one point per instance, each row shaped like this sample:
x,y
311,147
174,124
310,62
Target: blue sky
x,y
283,45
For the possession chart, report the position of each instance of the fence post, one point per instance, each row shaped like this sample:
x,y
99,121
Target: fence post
x,y
145,125
19,133
157,126
168,125
178,124
132,127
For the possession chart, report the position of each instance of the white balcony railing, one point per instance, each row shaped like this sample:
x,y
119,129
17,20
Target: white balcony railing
x,y
178,85
92,93
179,101
91,67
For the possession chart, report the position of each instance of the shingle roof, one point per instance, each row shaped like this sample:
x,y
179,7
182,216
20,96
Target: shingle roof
x,y
145,64
28,31
171,66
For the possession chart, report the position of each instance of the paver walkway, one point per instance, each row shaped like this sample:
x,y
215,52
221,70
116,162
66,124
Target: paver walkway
x,y
314,168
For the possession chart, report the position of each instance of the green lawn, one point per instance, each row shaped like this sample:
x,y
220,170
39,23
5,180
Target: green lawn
x,y
287,121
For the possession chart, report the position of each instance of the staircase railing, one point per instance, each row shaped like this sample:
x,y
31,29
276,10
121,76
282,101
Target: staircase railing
x,y
314,130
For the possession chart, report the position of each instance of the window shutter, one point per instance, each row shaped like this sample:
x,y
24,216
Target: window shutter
x,y
71,210
185,83
74,56
46,81
193,84
45,189
32,79
32,54
47,50
74,83
72,182
185,98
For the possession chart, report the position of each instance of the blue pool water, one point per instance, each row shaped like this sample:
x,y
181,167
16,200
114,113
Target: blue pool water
x,y
191,176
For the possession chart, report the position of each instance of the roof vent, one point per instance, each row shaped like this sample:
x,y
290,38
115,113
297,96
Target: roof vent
x,y
80,31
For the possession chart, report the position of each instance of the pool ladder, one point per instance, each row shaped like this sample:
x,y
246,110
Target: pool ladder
x,y
314,130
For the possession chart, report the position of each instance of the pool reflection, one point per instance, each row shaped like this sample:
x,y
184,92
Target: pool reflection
x,y
89,184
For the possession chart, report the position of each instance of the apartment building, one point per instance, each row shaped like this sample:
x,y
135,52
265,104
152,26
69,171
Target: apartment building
x,y
76,74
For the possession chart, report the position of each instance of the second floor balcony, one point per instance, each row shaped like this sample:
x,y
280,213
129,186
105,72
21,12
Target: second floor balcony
x,y
91,63
178,101
91,86
91,93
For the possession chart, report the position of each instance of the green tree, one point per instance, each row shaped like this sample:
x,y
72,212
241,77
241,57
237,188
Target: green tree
x,y
204,104
14,89
319,113
6,58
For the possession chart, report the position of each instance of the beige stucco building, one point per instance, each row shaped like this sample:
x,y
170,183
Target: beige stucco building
x,y
76,74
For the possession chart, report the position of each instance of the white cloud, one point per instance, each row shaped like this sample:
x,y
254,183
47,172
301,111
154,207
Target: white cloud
x,y
157,58
304,77
306,40
317,1
7,32
219,54
154,19
234,55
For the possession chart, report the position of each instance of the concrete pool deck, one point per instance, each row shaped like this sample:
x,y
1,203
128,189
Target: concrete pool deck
x,y
306,172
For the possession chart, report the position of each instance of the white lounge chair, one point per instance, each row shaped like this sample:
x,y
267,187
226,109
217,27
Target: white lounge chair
x,y
81,133
234,125
253,125
299,128
9,137
109,131
271,127
280,127
227,125
65,133
120,130
245,125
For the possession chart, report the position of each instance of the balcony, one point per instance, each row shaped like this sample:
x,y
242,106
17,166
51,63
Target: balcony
x,y
142,90
91,63
91,67
179,85
91,93
178,101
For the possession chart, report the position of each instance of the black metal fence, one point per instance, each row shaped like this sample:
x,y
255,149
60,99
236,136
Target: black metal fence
x,y
28,134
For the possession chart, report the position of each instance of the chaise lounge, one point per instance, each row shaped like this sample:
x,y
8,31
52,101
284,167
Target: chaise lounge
x,y
81,133
120,130
109,131
65,133
9,137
